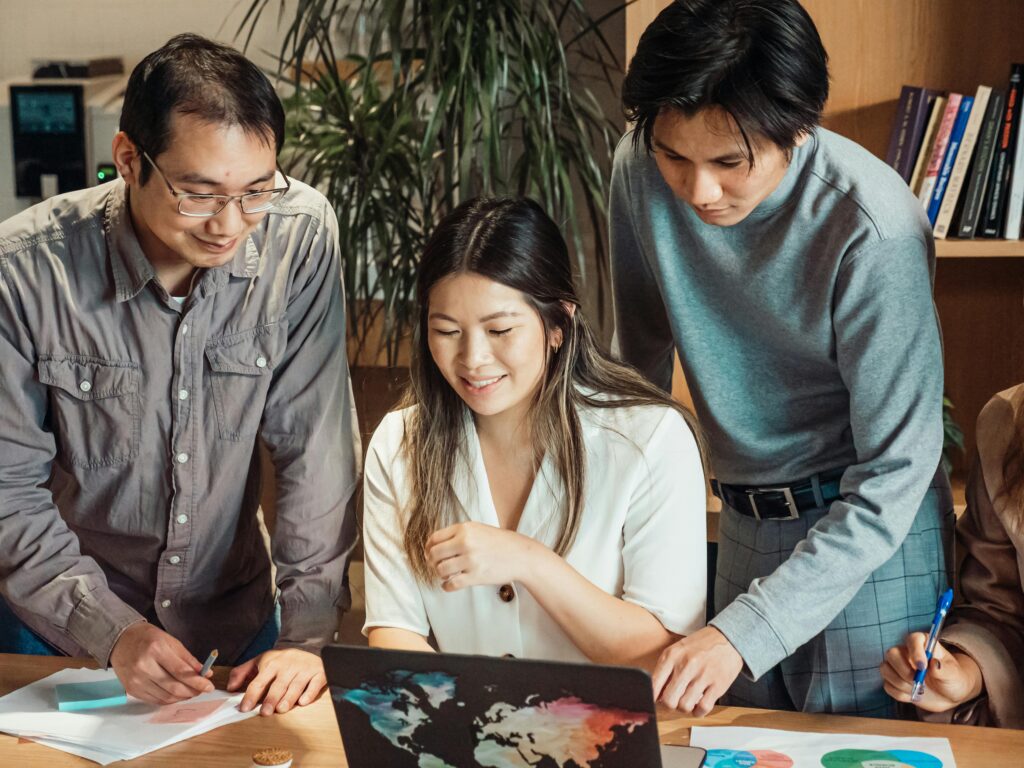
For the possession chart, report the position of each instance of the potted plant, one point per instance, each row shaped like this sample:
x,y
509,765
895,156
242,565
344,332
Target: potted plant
x,y
401,109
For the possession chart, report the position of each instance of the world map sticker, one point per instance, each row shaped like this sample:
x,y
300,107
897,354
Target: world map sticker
x,y
872,758
561,731
754,758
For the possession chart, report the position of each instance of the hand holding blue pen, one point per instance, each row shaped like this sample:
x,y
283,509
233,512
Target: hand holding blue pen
x,y
933,637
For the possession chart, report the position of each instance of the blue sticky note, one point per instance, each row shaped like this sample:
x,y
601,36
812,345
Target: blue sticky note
x,y
72,697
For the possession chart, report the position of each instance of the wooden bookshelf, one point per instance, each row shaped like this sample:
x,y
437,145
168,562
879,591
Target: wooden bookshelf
x,y
875,47
979,249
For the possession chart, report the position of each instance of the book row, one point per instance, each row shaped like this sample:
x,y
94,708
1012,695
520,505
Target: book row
x,y
963,156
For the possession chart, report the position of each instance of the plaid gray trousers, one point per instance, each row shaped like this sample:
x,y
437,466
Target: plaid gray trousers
x,y
837,670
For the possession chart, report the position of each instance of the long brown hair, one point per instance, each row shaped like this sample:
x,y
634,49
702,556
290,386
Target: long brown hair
x,y
513,242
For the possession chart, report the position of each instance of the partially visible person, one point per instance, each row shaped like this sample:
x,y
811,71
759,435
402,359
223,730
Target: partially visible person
x,y
153,330
531,497
976,675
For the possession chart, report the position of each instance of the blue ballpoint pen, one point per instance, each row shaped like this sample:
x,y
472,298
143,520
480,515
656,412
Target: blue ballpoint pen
x,y
933,637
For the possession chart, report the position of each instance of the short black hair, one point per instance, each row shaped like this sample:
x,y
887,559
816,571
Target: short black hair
x,y
761,61
191,75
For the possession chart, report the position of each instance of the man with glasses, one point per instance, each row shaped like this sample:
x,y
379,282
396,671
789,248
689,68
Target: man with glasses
x,y
152,331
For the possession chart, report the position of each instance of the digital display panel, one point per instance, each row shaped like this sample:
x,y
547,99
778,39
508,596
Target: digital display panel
x,y
46,112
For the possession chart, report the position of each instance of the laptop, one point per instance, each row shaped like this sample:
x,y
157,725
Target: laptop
x,y
404,708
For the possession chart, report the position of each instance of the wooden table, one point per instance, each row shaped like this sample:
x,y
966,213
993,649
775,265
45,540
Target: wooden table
x,y
311,733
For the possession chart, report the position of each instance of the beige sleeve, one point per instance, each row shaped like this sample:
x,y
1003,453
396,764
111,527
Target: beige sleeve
x,y
987,621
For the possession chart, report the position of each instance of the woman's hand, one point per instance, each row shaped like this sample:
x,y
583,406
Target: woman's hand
x,y
953,678
474,554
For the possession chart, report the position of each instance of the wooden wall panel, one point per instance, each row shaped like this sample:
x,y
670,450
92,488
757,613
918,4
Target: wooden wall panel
x,y
638,15
875,46
981,306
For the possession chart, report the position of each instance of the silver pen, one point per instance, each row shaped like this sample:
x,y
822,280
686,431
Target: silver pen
x,y
209,663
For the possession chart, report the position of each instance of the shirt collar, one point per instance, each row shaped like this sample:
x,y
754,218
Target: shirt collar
x,y
540,518
132,270
130,267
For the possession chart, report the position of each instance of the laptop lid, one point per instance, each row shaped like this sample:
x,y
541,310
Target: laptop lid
x,y
401,708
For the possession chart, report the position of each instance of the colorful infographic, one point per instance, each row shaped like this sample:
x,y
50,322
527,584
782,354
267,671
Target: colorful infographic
x,y
741,758
871,758
745,747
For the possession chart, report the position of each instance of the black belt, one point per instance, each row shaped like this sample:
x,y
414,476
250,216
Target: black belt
x,y
780,502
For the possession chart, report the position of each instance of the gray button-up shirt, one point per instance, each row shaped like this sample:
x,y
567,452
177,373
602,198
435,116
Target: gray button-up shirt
x,y
129,479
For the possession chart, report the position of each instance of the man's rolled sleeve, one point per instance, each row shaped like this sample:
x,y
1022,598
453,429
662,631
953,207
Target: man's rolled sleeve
x,y
310,429
97,622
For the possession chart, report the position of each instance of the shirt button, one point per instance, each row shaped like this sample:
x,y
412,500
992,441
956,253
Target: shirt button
x,y
181,458
174,560
85,386
165,604
261,362
184,329
183,394
181,519
506,593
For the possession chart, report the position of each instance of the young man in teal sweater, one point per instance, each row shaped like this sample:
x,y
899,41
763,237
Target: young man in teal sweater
x,y
792,272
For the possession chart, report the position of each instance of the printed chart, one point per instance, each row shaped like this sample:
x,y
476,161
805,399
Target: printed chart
x,y
739,758
731,747
872,758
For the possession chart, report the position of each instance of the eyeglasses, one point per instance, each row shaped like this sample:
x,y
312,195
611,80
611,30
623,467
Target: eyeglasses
x,y
202,206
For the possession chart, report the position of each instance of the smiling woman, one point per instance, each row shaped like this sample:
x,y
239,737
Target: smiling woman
x,y
531,496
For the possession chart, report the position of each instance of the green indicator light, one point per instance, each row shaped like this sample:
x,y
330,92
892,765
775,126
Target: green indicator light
x,y
105,172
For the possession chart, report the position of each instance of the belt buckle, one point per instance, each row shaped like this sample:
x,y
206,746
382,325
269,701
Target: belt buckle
x,y
787,496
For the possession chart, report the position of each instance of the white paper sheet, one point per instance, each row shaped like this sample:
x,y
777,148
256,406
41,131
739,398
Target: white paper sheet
x,y
112,733
732,747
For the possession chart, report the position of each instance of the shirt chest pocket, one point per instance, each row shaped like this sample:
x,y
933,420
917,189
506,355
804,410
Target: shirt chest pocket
x,y
241,367
94,408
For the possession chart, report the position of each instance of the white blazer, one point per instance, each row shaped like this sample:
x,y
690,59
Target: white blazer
x,y
642,536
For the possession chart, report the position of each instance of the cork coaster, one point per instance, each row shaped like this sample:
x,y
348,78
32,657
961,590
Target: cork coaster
x,y
272,757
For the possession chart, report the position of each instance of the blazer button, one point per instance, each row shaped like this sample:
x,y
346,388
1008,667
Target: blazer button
x,y
506,593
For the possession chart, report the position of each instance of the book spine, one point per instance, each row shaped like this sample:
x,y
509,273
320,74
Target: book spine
x,y
927,143
994,209
1015,204
963,162
915,133
909,95
957,135
980,166
931,174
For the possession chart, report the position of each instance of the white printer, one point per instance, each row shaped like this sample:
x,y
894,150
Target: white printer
x,y
55,136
